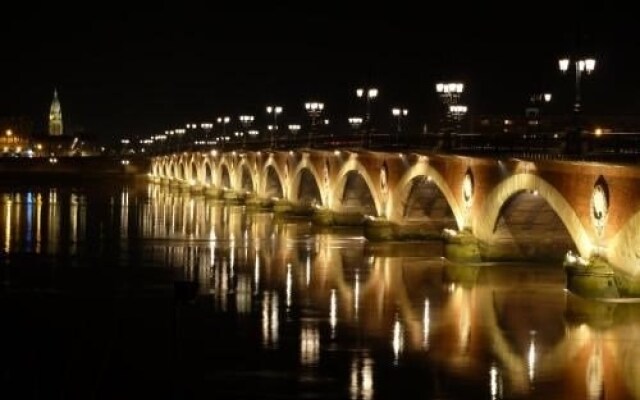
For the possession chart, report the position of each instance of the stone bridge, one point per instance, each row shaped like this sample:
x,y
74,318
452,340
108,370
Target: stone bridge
x,y
488,209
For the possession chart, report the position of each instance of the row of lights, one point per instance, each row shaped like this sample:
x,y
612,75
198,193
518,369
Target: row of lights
x,y
449,92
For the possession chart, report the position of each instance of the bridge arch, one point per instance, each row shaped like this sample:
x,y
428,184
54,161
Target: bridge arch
x,y
225,176
424,177
354,173
273,182
177,167
207,173
623,250
166,169
306,186
524,196
246,180
193,172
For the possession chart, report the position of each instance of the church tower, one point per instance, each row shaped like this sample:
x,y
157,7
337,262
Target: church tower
x,y
55,116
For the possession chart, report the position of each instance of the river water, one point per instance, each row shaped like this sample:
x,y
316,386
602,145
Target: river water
x,y
144,291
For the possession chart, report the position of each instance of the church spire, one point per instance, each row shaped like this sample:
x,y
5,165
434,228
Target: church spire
x,y
55,116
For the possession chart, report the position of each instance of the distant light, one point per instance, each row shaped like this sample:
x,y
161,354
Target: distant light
x,y
547,97
373,93
124,141
590,64
124,162
563,64
9,132
359,92
598,132
581,65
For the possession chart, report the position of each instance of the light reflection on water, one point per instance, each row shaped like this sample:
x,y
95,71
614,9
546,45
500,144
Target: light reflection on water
x,y
348,311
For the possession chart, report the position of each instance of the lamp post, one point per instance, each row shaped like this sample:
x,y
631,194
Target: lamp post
x,y
449,93
314,109
369,94
224,121
533,112
457,112
275,111
245,121
587,65
294,129
399,114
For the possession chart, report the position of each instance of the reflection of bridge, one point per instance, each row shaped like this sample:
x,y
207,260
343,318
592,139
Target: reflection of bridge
x,y
467,320
513,208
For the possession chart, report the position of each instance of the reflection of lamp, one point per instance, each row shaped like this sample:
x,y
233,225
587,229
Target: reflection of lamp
x,y
595,373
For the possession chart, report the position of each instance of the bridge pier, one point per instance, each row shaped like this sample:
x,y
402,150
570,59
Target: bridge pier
x,y
461,247
594,278
385,230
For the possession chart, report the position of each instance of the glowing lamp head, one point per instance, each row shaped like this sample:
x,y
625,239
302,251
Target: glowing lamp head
x,y
547,97
590,65
563,64
359,92
373,93
439,87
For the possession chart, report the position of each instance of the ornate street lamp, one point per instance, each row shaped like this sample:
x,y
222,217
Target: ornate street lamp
x,y
314,109
581,65
399,114
275,111
369,95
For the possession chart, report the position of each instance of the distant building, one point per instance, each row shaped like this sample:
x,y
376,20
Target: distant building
x,y
55,116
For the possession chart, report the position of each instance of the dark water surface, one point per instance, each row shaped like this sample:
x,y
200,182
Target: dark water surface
x,y
147,292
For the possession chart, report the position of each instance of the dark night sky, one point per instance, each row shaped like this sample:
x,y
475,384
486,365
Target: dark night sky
x,y
123,69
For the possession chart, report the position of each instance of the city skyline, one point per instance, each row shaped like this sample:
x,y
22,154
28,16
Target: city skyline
x,y
146,69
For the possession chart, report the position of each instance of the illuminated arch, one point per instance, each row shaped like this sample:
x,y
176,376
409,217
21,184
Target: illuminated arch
x,y
305,165
225,176
403,189
193,172
352,165
623,250
279,174
485,220
208,176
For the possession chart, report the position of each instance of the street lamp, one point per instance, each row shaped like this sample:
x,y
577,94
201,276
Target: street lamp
x,y
369,94
399,114
314,109
587,65
355,122
533,112
274,110
224,121
449,92
245,121
457,113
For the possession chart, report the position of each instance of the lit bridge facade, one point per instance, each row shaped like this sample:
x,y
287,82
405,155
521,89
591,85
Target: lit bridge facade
x,y
485,209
